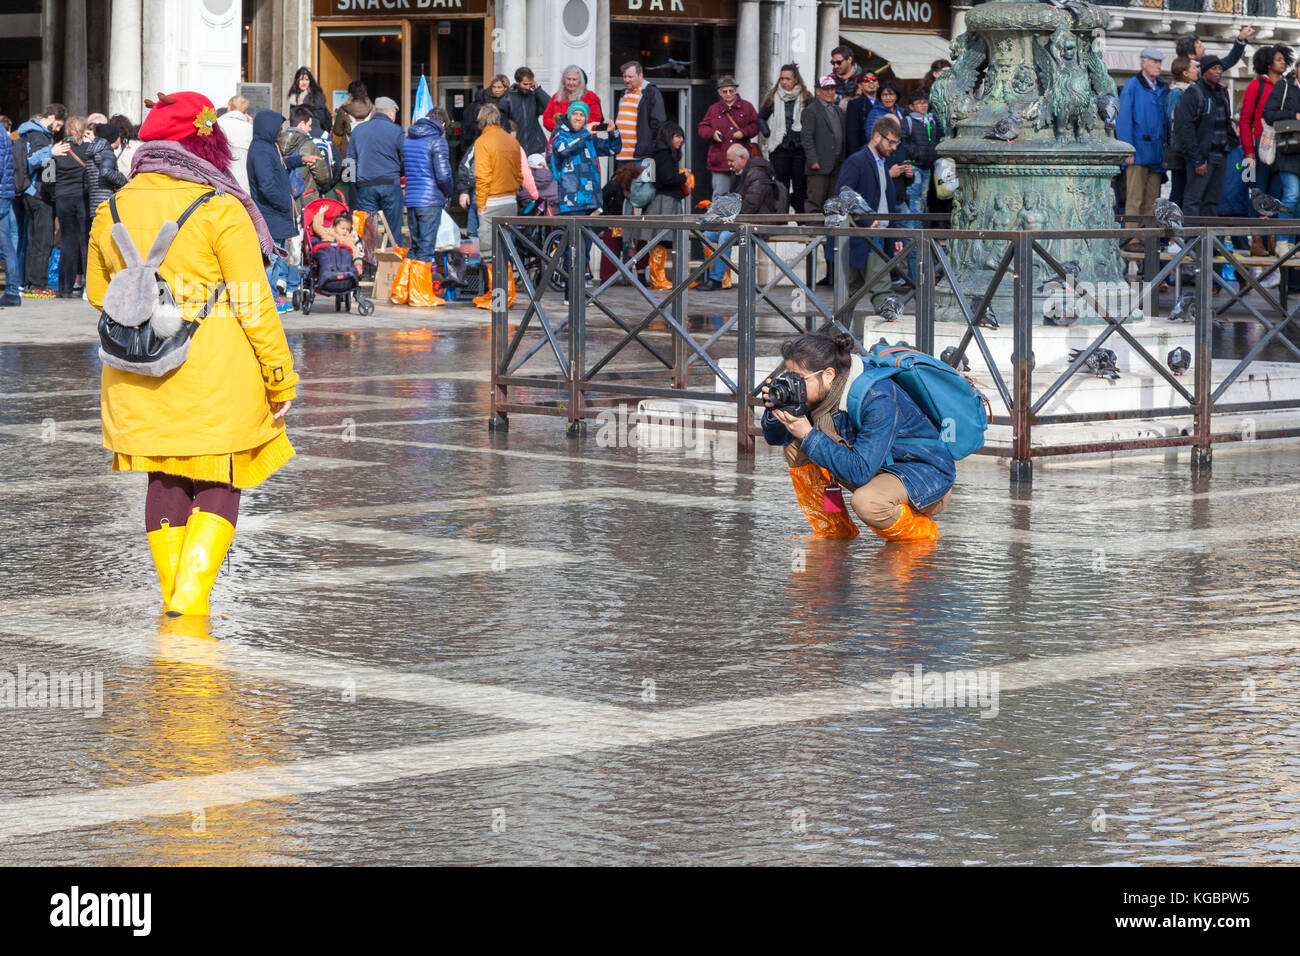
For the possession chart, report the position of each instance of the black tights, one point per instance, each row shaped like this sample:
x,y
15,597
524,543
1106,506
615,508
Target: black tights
x,y
171,498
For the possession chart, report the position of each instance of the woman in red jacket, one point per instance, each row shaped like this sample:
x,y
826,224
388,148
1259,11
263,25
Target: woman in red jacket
x,y
730,120
1270,64
573,89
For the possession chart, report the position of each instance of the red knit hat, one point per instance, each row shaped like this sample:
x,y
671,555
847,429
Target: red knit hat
x,y
177,116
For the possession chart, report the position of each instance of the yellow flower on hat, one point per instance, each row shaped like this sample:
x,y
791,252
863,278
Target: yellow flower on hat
x,y
204,122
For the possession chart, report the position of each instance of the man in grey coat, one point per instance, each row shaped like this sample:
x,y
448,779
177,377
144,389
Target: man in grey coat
x,y
823,143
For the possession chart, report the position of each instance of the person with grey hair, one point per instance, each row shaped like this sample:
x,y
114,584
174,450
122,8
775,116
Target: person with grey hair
x,y
573,89
729,121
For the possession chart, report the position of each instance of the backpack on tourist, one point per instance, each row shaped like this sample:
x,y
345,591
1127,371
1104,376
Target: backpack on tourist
x,y
141,329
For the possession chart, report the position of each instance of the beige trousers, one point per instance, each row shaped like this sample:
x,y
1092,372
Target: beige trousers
x,y
878,501
1142,188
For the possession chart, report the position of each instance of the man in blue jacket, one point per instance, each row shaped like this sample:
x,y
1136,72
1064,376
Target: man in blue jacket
x,y
868,173
427,162
375,156
1142,123
268,184
38,136
8,225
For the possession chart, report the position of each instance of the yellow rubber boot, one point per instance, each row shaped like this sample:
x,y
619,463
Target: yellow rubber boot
x,y
910,526
810,483
726,279
401,291
484,301
510,287
165,545
658,278
207,539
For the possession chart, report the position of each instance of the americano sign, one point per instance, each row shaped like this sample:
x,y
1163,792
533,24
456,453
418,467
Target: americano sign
x,y
927,16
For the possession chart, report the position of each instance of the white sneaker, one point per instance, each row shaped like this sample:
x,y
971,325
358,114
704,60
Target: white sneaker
x,y
1272,279
1284,247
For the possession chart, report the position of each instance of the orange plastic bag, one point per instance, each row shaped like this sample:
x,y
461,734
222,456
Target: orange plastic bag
x,y
810,483
422,295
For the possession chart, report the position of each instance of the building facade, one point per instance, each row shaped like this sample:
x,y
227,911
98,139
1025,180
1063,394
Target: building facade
x,y
112,54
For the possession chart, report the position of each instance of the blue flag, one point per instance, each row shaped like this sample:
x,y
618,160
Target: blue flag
x,y
423,101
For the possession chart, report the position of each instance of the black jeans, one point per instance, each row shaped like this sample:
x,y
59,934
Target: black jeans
x,y
1202,194
40,240
74,235
789,167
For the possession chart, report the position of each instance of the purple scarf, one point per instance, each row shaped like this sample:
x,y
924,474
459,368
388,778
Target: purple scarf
x,y
172,159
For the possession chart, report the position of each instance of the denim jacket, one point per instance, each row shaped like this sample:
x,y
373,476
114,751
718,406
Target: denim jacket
x,y
888,414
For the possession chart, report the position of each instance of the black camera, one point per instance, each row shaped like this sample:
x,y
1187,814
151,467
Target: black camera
x,y
789,393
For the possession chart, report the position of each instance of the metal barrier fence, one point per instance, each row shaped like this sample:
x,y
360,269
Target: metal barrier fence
x,y
587,379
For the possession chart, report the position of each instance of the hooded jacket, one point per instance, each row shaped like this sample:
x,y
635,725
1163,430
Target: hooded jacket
x,y
376,151
575,162
268,176
102,172
526,109
38,141
558,108
238,128
219,401
920,140
757,187
314,180
427,162
1199,111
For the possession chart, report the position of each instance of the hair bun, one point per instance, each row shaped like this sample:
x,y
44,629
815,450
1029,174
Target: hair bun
x,y
844,342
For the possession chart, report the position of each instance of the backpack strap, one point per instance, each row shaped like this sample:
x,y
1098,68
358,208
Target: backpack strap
x,y
167,234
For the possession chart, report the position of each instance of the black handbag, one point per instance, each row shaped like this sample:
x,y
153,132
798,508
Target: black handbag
x,y
1287,136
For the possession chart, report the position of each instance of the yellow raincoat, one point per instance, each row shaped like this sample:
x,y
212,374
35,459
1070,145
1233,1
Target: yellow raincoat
x,y
211,418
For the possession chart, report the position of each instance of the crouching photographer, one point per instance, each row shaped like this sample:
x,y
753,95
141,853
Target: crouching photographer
x,y
873,439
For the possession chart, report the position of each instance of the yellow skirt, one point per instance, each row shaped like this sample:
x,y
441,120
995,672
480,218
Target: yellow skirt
x,y
243,469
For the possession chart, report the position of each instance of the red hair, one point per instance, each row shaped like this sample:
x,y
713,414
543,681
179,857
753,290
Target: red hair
x,y
213,148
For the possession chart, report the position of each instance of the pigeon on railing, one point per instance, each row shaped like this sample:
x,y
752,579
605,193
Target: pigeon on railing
x,y
1101,363
949,357
1073,6
1179,360
1170,215
836,213
724,208
1184,309
1265,204
852,200
891,310
1005,129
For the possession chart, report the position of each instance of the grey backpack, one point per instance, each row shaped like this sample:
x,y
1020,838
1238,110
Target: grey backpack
x,y
141,329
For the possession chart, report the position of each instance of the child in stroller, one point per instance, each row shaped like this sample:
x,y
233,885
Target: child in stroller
x,y
333,266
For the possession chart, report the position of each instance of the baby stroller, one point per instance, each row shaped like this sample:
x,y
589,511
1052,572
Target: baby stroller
x,y
545,237
327,267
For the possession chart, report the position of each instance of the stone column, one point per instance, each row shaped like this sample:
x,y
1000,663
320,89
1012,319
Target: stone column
x,y
158,37
828,36
124,91
747,78
602,79
512,21
800,41
959,12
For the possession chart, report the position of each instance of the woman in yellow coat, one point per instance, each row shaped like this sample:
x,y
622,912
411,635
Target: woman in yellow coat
x,y
215,425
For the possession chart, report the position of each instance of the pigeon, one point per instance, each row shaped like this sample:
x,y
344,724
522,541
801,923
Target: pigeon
x,y
1101,363
891,310
853,202
1265,204
988,320
1055,314
1184,309
949,357
1072,6
1170,215
837,214
1005,129
1108,109
724,208
1179,360
1071,269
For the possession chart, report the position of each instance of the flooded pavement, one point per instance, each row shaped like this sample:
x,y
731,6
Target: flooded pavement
x,y
434,644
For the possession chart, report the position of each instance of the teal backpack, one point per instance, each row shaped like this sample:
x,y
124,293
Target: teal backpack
x,y
959,411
